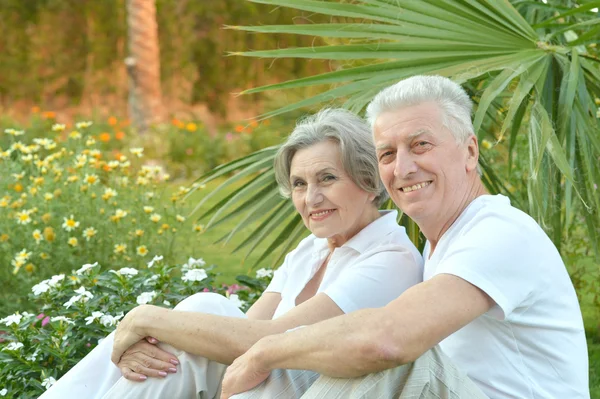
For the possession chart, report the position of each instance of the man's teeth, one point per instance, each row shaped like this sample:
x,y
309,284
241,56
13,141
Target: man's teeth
x,y
416,187
322,213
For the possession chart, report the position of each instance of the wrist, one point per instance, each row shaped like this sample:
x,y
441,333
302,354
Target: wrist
x,y
265,352
145,317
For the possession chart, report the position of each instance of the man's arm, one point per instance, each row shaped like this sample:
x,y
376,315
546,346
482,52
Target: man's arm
x,y
371,340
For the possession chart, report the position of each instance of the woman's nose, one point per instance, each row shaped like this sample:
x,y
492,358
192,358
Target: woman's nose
x,y
314,195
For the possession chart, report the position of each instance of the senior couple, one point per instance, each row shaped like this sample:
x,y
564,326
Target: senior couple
x,y
354,312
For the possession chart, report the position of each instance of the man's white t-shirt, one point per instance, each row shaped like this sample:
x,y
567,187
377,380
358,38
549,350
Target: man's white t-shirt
x,y
531,344
368,271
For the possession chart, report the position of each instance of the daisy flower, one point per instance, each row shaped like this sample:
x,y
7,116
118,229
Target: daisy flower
x,y
70,223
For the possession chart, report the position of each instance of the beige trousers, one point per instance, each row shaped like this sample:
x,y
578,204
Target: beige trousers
x,y
95,377
431,376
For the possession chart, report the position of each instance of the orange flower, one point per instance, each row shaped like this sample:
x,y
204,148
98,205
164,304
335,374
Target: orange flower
x,y
239,128
112,121
254,123
191,127
175,122
117,154
105,137
266,122
119,135
35,110
106,168
125,122
48,115
18,187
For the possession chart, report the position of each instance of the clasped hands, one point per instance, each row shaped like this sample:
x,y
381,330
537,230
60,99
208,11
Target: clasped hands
x,y
138,356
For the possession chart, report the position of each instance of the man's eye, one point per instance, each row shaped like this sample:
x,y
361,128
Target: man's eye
x,y
385,154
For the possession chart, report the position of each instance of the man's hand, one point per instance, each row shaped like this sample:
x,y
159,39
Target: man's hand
x,y
245,373
144,359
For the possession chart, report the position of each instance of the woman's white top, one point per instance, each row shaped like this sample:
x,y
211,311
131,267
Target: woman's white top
x,y
370,270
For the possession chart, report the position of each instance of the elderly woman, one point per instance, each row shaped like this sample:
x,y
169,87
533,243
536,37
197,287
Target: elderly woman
x,y
356,257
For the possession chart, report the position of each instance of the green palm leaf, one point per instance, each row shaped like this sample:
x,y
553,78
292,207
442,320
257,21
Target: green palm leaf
x,y
523,60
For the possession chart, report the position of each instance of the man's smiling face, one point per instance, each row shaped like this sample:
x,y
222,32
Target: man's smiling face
x,y
421,164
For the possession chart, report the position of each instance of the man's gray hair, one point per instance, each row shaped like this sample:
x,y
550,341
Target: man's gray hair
x,y
355,142
454,102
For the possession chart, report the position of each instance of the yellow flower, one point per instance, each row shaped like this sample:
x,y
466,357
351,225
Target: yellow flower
x,y
119,214
33,190
90,142
49,234
73,242
164,226
91,179
180,218
29,268
102,211
141,181
48,196
57,127
44,256
18,176
4,237
18,187
17,263
75,135
137,151
46,217
89,233
83,125
486,144
72,179
23,217
108,194
23,255
191,127
139,232
84,188
148,209
57,192
70,223
38,181
141,250
37,236
120,248
155,217
198,228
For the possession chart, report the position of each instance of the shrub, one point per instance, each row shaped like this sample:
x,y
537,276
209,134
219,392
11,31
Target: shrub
x,y
76,310
66,202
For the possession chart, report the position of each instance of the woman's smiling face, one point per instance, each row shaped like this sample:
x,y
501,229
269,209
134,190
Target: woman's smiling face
x,y
331,205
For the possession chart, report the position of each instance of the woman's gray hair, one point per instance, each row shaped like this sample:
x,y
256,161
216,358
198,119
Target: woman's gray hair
x,y
454,102
354,138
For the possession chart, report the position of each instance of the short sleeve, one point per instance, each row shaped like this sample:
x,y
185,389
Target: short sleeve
x,y
280,276
497,255
375,278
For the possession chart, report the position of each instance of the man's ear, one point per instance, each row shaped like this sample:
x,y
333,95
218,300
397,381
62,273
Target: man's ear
x,y
472,153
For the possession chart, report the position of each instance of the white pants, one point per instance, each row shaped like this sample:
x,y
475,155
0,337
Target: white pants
x,y
95,376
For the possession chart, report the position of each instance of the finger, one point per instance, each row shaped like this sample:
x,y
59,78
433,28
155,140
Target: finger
x,y
148,362
152,340
154,352
137,371
132,376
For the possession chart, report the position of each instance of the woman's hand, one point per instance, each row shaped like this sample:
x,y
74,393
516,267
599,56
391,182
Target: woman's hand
x,y
245,373
126,335
144,359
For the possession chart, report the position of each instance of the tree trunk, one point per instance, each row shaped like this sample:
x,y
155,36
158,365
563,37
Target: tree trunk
x,y
143,65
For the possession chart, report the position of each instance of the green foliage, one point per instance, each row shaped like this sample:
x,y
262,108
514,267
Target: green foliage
x,y
74,312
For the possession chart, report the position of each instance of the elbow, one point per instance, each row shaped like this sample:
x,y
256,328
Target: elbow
x,y
389,349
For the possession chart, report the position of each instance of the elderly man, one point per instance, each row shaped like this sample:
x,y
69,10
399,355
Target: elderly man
x,y
496,315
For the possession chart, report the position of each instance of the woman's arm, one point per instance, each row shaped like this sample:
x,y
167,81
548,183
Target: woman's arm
x,y
218,338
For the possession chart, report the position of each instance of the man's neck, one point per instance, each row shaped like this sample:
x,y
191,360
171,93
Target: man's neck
x,y
434,230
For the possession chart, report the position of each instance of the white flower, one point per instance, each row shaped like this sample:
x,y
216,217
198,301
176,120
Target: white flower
x,y
86,267
109,321
12,319
83,292
54,280
48,382
191,263
145,297
126,271
40,288
166,303
13,346
93,317
32,357
155,259
62,318
195,275
236,300
260,273
27,314
3,392
83,125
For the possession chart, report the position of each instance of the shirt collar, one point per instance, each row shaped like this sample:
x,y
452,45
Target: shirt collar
x,y
365,238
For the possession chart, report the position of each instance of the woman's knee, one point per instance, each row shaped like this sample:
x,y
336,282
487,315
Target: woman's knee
x,y
205,302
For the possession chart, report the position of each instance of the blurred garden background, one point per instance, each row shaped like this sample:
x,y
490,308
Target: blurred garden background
x,y
131,129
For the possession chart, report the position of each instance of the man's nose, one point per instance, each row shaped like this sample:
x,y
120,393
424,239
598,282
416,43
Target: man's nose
x,y
404,166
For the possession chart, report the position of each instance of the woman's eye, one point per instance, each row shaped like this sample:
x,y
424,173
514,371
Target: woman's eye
x,y
297,183
328,177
